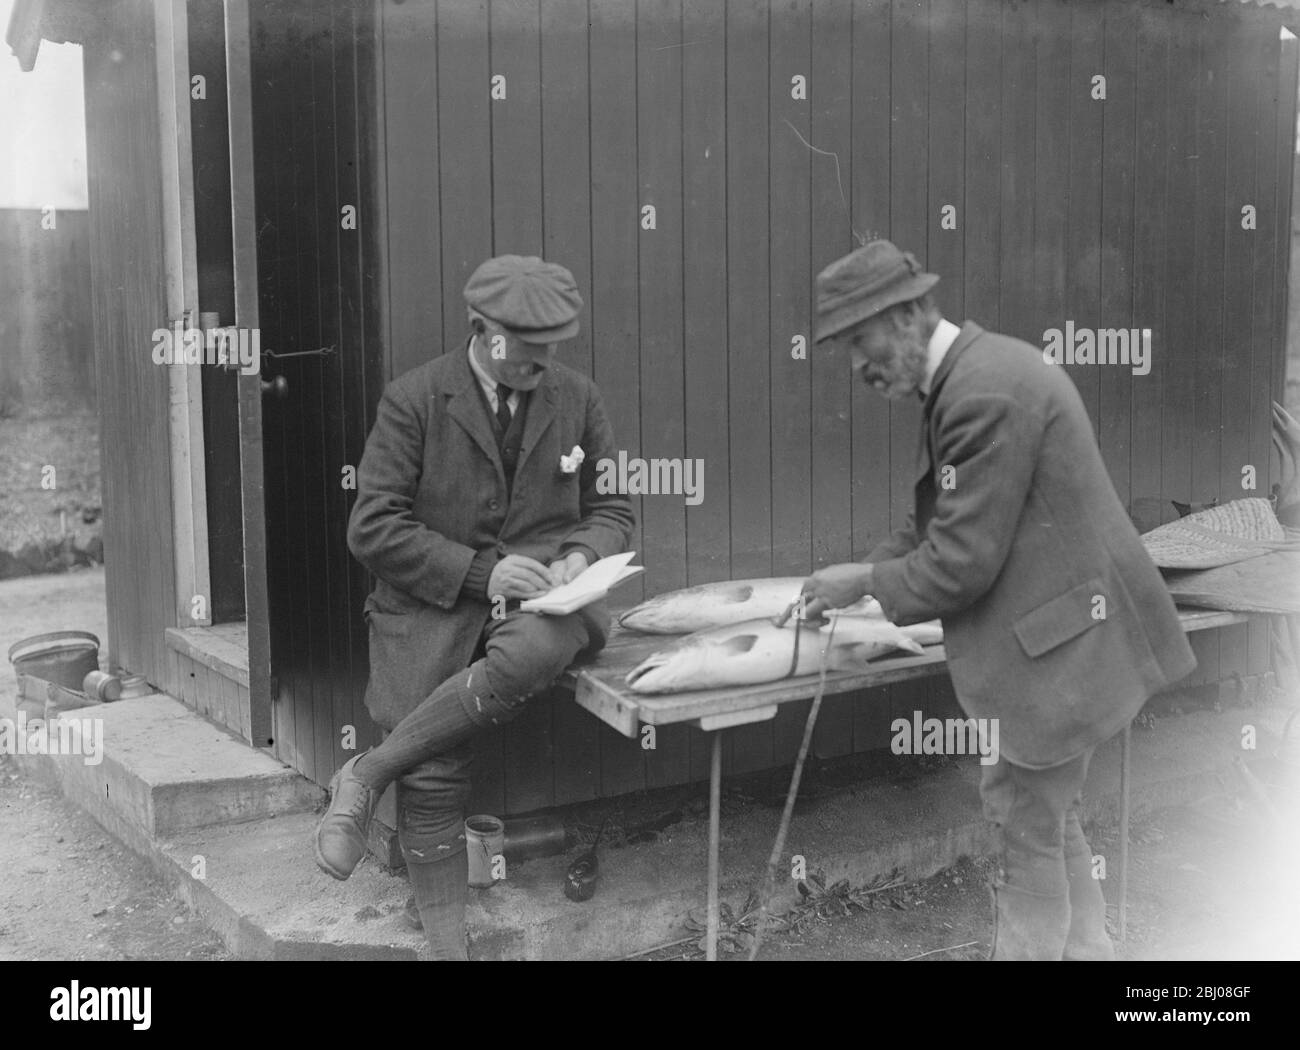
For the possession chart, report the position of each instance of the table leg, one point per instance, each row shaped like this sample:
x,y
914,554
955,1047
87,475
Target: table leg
x,y
715,829
1125,741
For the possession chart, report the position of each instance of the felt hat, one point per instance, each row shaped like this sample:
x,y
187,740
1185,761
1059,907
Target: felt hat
x,y
536,300
864,282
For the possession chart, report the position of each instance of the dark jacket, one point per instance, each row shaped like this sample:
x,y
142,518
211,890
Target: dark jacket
x,y
431,493
1056,622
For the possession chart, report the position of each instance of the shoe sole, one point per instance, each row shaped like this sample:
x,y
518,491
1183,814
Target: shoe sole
x,y
321,862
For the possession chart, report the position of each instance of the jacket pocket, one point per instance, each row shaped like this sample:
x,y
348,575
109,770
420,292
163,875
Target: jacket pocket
x,y
1059,619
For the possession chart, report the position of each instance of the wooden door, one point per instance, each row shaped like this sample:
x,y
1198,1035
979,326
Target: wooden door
x,y
244,232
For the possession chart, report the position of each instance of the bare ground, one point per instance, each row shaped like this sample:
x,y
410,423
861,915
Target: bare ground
x,y
70,891
1213,879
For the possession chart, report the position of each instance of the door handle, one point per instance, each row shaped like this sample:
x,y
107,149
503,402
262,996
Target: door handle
x,y
278,387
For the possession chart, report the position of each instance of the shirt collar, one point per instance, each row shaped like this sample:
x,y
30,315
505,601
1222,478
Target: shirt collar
x,y
487,382
945,334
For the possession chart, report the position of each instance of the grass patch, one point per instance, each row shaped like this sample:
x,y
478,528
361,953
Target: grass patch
x,y
31,514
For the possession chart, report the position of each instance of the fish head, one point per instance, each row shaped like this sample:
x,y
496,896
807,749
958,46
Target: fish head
x,y
690,663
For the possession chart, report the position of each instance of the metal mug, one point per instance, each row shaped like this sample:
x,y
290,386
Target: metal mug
x,y
485,845
100,685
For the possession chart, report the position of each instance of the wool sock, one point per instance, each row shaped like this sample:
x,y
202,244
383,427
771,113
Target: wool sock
x,y
441,888
440,722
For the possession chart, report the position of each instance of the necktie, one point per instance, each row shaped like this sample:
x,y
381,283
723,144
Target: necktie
x,y
503,407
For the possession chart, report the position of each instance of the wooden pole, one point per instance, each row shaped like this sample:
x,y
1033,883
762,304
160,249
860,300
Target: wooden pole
x,y
1125,741
715,829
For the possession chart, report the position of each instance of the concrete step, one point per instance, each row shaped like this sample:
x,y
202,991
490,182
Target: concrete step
x,y
150,768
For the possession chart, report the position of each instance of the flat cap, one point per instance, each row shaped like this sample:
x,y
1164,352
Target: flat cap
x,y
538,301
864,282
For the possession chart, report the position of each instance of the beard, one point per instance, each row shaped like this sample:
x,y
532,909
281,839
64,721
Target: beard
x,y
907,369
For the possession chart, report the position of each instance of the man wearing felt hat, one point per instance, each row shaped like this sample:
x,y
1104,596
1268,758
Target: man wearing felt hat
x,y
470,498
1056,623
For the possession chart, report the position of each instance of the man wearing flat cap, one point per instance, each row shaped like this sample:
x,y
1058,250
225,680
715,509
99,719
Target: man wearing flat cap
x,y
470,498
1056,623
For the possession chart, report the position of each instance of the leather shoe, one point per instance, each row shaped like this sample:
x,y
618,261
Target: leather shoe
x,y
341,833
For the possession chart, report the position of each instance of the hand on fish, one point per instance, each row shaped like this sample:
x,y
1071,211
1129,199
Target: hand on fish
x,y
835,587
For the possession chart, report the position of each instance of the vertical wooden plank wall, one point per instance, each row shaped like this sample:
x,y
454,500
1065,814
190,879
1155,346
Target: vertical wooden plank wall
x,y
567,233
1118,145
869,192
1178,388
1111,213
1146,455
789,310
1083,253
829,180
748,93
660,103
910,215
704,290
1016,199
1269,89
615,288
1285,138
1206,359
1240,189
125,193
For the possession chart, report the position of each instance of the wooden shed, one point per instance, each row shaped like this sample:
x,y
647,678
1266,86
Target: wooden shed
x,y
328,174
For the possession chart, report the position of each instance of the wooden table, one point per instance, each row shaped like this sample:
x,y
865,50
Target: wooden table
x,y
600,688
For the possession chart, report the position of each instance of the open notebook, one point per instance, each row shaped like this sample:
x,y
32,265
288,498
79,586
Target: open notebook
x,y
589,586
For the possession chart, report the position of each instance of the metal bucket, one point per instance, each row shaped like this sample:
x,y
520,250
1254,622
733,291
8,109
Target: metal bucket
x,y
99,685
60,699
63,657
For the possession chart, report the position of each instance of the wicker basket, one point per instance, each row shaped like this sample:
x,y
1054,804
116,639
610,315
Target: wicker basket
x,y
1223,535
1269,583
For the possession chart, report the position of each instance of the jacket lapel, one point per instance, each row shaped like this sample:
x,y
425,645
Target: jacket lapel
x,y
923,464
465,406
